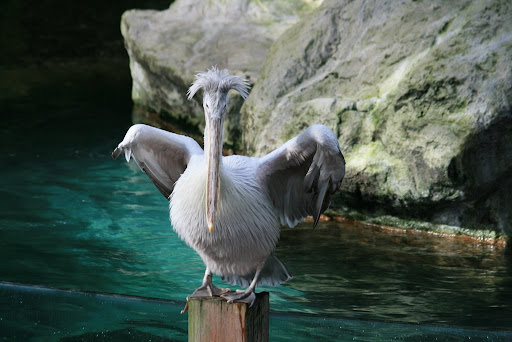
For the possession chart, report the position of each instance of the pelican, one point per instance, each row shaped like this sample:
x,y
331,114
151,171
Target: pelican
x,y
229,208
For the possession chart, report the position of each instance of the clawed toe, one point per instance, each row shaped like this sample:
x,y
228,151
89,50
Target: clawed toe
x,y
209,291
185,309
240,297
219,291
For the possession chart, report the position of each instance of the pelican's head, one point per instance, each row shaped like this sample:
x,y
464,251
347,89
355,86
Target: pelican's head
x,y
216,85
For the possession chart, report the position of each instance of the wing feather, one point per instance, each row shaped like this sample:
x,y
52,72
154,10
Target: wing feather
x,y
162,155
302,175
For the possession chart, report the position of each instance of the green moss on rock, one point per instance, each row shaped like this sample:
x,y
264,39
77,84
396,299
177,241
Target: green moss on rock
x,y
419,95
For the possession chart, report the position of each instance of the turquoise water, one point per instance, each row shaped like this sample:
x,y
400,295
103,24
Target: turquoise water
x,y
73,218
44,314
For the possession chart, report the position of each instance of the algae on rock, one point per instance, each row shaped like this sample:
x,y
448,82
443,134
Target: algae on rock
x,y
419,94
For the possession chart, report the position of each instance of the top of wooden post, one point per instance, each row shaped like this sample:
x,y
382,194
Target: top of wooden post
x,y
213,319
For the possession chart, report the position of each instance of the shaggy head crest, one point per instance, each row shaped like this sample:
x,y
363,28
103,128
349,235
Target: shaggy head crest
x,y
215,80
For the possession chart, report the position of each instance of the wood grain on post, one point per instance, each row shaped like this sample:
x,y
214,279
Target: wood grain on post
x,y
213,319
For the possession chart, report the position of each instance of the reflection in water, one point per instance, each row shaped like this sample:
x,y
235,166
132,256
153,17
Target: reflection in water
x,y
360,271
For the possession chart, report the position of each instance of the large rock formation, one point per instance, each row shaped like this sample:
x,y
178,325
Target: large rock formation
x,y
167,48
419,93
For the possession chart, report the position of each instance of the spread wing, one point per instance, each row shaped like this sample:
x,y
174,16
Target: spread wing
x,y
302,175
162,155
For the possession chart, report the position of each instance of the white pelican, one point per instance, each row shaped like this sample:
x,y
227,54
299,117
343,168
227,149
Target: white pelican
x,y
228,209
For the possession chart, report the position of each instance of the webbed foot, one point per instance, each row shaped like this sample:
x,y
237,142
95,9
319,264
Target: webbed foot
x,y
240,296
209,290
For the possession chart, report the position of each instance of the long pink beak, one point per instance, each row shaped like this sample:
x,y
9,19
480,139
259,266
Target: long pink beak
x,y
214,151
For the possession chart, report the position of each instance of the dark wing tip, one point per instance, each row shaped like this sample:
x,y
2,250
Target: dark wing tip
x,y
164,190
317,218
320,208
116,153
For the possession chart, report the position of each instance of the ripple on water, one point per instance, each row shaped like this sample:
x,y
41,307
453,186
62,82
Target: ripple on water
x,y
88,222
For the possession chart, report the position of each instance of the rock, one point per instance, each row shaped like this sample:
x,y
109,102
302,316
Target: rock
x,y
419,94
167,48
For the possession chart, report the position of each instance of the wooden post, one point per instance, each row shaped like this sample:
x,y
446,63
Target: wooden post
x,y
213,319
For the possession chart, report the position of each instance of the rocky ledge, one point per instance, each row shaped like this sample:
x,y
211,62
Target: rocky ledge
x,y
419,94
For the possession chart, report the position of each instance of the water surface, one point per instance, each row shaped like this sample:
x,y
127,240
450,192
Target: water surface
x,y
43,314
73,218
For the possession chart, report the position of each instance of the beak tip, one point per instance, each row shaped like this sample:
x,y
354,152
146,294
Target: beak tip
x,y
210,227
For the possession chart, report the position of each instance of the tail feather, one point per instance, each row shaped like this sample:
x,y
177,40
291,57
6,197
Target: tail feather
x,y
273,273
